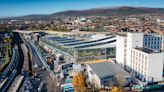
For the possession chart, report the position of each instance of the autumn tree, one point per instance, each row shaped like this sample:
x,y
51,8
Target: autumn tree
x,y
79,83
117,89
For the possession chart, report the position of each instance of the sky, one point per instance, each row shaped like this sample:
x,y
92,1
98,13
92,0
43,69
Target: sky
x,y
9,8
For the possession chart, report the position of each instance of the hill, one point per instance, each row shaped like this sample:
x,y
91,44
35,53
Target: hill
x,y
116,11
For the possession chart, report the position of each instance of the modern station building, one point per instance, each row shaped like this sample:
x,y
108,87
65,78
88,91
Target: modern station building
x,y
141,54
78,50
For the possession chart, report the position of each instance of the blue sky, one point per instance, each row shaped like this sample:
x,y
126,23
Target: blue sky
x,y
25,7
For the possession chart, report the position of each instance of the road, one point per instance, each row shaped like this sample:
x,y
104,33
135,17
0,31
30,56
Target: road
x,y
16,70
57,32
44,74
18,41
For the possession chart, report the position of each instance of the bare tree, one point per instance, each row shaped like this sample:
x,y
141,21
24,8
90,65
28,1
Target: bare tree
x,y
120,79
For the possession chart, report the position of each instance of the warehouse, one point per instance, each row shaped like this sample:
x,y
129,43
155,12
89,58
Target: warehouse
x,y
104,73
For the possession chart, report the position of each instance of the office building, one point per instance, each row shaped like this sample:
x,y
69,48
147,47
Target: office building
x,y
140,53
146,64
153,41
121,48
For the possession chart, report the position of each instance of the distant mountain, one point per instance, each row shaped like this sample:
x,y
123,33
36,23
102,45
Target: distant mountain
x,y
117,11
32,17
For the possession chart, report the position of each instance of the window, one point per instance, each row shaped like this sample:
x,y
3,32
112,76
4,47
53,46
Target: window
x,y
148,43
158,46
155,42
145,39
155,39
139,55
145,63
145,73
145,58
151,46
142,56
145,68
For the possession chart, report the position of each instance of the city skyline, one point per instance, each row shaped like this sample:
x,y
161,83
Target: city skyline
x,y
11,8
81,45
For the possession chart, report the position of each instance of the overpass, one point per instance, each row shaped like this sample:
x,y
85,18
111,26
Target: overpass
x,y
57,32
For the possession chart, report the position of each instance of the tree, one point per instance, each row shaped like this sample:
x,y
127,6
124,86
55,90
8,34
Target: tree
x,y
75,82
79,83
120,79
120,82
117,89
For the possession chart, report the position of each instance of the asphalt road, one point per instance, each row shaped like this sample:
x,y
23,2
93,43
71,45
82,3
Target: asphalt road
x,y
18,41
51,84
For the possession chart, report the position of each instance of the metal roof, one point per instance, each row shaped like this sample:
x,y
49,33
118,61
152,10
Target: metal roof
x,y
108,45
86,42
69,42
107,69
96,42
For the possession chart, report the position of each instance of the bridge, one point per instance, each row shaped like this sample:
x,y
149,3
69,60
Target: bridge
x,y
60,33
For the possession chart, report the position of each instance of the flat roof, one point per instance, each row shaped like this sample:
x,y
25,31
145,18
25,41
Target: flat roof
x,y
153,34
122,34
107,69
146,50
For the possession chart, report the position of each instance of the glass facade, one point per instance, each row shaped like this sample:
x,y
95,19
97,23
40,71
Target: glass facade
x,y
80,54
153,42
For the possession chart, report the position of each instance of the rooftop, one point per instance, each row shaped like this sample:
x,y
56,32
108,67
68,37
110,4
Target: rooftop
x,y
109,45
146,50
124,34
107,69
71,42
152,34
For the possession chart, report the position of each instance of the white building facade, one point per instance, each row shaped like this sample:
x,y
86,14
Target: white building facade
x,y
121,49
147,65
134,40
137,55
